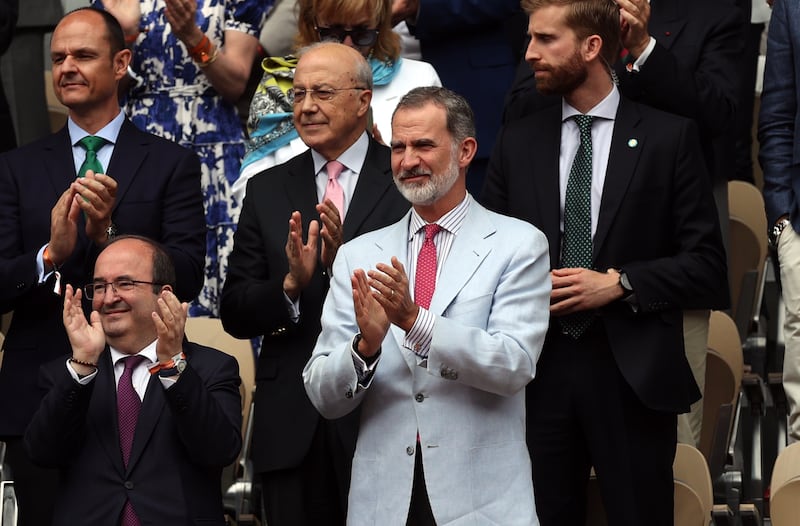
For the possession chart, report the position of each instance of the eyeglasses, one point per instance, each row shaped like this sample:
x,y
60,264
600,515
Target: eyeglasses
x,y
298,95
361,36
98,289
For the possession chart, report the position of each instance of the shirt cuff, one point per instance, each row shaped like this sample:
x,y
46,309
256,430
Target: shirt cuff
x,y
83,380
40,266
364,372
639,62
293,307
418,339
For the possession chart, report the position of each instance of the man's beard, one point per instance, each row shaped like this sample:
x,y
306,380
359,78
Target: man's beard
x,y
427,193
563,79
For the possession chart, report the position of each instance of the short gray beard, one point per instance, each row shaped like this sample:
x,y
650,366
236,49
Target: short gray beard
x,y
436,187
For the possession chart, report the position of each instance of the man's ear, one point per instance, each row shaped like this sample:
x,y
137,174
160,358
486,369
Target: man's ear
x,y
121,60
364,101
592,47
466,152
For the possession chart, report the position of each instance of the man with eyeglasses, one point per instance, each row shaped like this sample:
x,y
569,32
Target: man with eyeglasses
x,y
278,278
61,199
138,420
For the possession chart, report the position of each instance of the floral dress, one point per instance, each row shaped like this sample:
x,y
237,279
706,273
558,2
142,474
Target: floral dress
x,y
171,97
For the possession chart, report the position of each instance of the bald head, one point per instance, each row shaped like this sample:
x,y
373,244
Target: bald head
x,y
332,86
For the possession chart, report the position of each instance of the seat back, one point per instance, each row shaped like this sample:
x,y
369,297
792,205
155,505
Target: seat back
x,y
747,251
694,497
724,370
209,332
785,487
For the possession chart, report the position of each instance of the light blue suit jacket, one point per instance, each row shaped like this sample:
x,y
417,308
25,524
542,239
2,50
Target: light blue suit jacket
x,y
491,305
779,120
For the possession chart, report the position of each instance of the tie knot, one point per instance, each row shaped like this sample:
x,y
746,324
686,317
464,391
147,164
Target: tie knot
x,y
132,362
334,169
92,143
431,230
584,123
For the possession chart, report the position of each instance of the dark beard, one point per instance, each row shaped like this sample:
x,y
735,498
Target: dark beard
x,y
564,79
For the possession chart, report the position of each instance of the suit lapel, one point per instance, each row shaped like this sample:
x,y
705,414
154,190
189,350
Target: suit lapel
x,y
470,248
302,196
373,182
103,411
149,414
130,151
627,142
668,21
58,161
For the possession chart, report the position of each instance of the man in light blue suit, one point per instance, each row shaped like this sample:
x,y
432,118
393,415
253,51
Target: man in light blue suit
x,y
440,379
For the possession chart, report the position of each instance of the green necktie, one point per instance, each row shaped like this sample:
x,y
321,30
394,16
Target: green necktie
x,y
91,144
577,246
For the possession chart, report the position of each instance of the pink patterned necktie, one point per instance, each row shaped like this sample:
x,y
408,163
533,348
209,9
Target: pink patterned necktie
x,y
334,190
425,278
128,404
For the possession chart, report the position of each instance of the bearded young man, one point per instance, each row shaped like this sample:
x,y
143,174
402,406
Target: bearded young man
x,y
621,192
432,327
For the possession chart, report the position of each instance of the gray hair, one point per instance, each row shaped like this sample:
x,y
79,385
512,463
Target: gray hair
x,y
460,118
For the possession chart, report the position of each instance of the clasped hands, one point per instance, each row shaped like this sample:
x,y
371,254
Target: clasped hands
x,y
582,289
94,195
88,339
302,257
381,297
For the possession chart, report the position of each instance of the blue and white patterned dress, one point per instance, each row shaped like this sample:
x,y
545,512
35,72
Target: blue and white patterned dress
x,y
175,100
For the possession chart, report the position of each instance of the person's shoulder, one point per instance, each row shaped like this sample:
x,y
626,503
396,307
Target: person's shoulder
x,y
276,175
511,225
202,356
164,146
35,148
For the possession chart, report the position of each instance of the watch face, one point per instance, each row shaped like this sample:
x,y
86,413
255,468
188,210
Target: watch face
x,y
180,365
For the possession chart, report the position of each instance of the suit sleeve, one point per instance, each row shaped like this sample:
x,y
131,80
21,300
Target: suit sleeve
x,y
183,226
704,91
776,123
208,410
253,302
696,275
56,432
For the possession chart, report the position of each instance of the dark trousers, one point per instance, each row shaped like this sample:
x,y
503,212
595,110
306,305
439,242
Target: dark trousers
x,y
35,487
419,510
313,493
582,413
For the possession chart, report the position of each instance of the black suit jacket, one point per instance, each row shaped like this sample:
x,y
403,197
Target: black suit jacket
x,y
692,71
158,196
185,435
253,302
657,222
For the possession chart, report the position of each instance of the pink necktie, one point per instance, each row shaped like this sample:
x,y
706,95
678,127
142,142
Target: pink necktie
x,y
425,279
128,404
334,190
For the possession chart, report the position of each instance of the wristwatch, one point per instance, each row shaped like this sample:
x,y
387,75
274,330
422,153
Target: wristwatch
x,y
625,283
111,231
177,367
776,231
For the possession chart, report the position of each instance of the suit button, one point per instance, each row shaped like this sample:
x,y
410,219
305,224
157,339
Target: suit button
x,y
349,393
409,451
419,397
453,375
20,286
128,484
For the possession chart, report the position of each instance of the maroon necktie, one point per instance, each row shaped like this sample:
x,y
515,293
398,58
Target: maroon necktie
x,y
425,278
128,404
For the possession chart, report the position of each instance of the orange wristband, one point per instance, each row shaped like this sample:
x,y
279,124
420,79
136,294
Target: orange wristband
x,y
48,262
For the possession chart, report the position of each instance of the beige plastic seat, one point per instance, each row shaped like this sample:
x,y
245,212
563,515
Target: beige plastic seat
x,y
747,251
694,497
724,370
209,332
784,502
